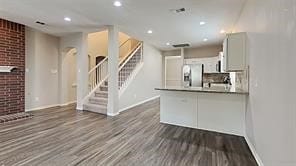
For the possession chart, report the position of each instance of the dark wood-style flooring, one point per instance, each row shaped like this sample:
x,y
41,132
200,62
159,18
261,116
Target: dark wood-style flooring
x,y
63,136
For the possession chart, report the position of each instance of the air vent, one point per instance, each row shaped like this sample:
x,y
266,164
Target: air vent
x,y
181,10
40,23
181,45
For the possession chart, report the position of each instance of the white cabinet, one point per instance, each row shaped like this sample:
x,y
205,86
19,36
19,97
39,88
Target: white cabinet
x,y
178,108
221,112
234,50
210,64
208,111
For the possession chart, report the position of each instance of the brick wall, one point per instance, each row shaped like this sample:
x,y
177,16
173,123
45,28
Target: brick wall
x,y
12,53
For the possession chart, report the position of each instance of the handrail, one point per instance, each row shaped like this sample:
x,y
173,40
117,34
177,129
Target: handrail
x,y
99,74
125,42
129,65
94,68
130,55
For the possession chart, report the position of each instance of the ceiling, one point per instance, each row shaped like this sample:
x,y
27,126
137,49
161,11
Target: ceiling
x,y
134,17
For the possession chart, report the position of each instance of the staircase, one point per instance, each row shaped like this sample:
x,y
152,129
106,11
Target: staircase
x,y
97,100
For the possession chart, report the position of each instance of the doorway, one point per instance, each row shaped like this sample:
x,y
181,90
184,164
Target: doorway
x,y
173,70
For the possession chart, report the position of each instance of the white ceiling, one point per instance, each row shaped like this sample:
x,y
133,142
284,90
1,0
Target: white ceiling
x,y
135,17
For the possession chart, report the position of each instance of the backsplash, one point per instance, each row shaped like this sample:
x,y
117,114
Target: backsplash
x,y
241,80
215,77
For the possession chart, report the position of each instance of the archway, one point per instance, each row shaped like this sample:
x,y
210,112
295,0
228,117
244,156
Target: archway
x,y
69,75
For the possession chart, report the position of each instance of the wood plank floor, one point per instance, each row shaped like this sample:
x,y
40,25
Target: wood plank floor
x,y
63,136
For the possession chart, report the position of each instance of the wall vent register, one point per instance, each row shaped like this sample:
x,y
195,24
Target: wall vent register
x,y
181,45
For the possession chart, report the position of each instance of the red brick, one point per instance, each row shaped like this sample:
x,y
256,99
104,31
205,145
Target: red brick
x,y
12,52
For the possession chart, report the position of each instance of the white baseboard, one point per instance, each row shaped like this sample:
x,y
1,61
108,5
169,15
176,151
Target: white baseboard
x,y
253,150
139,103
79,108
69,103
49,106
112,114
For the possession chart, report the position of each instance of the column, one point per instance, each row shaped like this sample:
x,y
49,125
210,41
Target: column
x,y
82,69
113,60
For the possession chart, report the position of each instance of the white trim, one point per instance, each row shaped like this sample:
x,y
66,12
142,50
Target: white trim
x,y
166,58
68,103
49,106
139,103
253,150
42,107
79,108
131,78
112,114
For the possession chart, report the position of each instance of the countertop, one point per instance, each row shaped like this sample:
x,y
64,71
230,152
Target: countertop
x,y
204,89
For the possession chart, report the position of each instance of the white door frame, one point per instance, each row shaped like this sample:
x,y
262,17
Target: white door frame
x,y
165,65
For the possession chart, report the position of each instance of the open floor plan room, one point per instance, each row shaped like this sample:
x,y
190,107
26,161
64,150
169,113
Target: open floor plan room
x,y
147,83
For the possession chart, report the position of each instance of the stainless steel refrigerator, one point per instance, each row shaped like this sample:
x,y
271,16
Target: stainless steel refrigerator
x,y
193,75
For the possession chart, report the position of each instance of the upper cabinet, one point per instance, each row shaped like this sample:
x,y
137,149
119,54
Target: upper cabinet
x,y
234,52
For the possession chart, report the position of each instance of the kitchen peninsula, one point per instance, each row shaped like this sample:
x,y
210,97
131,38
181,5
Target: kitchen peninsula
x,y
214,109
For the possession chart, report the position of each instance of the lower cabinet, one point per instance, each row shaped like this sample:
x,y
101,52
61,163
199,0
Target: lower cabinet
x,y
178,108
218,112
222,113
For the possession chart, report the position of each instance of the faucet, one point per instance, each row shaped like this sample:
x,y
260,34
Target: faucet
x,y
227,80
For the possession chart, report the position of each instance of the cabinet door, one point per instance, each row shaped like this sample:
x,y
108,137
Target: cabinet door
x,y
236,52
222,113
179,108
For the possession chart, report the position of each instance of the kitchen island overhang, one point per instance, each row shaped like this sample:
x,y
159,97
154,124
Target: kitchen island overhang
x,y
214,109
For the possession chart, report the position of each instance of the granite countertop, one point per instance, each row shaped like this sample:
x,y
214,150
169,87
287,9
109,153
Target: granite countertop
x,y
218,89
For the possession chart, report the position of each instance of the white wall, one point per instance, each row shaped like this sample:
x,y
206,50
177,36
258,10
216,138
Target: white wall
x,y
148,78
70,77
98,44
80,43
42,52
271,114
203,52
197,52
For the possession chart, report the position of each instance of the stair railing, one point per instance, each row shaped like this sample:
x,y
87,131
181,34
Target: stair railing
x,y
129,64
98,74
130,54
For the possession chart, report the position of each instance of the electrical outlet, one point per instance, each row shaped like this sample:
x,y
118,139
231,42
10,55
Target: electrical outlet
x,y
36,98
54,71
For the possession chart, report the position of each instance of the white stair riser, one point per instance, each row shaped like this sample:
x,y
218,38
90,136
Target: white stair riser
x,y
95,109
104,95
104,88
98,101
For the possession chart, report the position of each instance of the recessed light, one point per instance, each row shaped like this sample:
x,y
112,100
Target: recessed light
x,y
168,44
222,31
149,31
67,19
202,23
117,3
205,39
